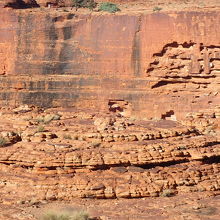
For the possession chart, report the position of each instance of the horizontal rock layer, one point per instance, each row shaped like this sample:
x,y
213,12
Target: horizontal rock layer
x,y
70,154
160,64
112,74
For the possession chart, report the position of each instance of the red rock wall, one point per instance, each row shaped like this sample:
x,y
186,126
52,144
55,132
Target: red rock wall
x,y
159,63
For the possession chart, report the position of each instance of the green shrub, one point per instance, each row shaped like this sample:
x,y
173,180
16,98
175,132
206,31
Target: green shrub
x,y
167,193
109,7
3,141
40,119
56,117
80,215
55,215
95,143
40,128
67,136
91,4
48,118
156,9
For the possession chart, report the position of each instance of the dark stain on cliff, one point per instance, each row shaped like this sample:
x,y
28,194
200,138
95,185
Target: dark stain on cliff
x,y
66,54
36,86
71,84
67,32
48,99
135,58
69,56
5,96
53,36
59,61
19,42
24,43
42,99
50,52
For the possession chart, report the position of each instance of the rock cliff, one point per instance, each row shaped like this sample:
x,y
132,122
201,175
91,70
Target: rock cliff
x,y
135,102
158,63
50,155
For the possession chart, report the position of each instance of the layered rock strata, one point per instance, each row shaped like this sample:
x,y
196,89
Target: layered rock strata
x,y
161,64
68,154
140,98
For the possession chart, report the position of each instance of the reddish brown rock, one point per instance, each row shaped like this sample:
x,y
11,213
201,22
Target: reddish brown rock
x,y
78,159
163,65
19,4
140,103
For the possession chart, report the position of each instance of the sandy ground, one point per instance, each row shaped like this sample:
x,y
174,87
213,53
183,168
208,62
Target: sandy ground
x,y
189,206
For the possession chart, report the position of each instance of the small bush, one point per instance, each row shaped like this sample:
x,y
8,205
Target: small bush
x,y
56,117
67,136
91,4
167,193
95,143
182,147
156,9
48,118
80,215
55,215
109,7
3,141
40,128
40,119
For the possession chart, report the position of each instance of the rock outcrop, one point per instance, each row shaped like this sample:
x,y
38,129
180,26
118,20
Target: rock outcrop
x,y
63,155
161,64
134,103
19,4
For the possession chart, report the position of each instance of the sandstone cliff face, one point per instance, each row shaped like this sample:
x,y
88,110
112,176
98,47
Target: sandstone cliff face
x,y
158,63
163,66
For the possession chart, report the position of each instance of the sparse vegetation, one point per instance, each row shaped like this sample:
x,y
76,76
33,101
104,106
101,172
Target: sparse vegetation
x,y
167,193
91,4
80,215
156,9
109,7
67,136
95,143
55,215
3,141
40,128
48,118
56,117
40,119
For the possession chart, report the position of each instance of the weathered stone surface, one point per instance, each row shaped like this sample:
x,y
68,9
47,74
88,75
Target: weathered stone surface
x,y
72,157
18,4
163,65
142,91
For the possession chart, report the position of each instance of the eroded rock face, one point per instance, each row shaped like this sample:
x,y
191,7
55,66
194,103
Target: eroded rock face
x,y
161,65
144,96
19,4
70,156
